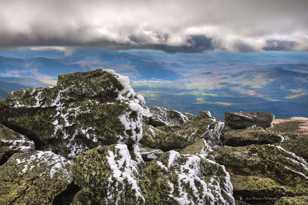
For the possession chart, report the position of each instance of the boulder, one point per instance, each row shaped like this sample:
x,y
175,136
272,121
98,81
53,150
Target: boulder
x,y
12,142
241,120
161,116
112,175
82,111
295,132
176,137
109,174
243,137
264,173
34,178
299,200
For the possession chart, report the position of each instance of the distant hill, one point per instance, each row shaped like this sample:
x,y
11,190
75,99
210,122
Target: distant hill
x,y
10,84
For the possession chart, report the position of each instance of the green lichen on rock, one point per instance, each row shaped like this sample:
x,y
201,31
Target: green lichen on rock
x,y
242,120
196,148
243,137
295,132
33,178
286,170
300,200
82,111
258,188
176,137
161,116
185,179
110,174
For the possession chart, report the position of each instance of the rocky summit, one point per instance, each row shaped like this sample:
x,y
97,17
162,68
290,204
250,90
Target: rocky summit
x,y
91,140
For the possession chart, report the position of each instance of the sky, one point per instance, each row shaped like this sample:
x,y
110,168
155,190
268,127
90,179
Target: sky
x,y
192,55
170,25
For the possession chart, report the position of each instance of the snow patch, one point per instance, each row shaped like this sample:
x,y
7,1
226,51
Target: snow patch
x,y
56,164
124,170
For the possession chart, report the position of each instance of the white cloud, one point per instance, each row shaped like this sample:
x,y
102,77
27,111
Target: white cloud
x,y
238,25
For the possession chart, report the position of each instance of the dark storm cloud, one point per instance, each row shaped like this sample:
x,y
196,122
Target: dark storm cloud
x,y
172,25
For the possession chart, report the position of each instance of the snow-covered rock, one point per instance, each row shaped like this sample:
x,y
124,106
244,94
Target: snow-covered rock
x,y
82,111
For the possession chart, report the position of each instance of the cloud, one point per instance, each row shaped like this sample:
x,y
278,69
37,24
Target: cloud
x,y
173,25
296,93
45,80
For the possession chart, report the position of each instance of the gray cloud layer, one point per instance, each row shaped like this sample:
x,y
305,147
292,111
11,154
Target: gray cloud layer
x,y
173,25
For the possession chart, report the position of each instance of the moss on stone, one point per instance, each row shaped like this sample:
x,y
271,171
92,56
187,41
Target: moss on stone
x,y
300,200
274,170
176,137
243,137
295,141
195,148
28,179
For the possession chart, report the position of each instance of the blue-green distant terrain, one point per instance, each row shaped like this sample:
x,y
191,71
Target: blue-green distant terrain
x,y
217,81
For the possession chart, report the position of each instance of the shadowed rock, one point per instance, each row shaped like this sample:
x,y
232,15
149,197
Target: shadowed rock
x,y
12,142
243,137
241,120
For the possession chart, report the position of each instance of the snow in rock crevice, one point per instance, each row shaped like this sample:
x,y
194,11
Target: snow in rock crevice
x,y
124,171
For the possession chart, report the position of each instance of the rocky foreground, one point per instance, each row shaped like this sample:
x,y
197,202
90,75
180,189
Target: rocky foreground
x,y
90,140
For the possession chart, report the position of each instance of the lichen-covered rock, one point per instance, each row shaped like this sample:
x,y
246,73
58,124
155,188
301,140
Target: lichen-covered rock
x,y
148,154
161,116
112,175
12,142
82,111
33,178
295,132
177,137
299,200
185,180
258,189
243,137
274,167
241,120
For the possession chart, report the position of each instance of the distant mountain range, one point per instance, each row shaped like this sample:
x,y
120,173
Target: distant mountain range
x,y
191,82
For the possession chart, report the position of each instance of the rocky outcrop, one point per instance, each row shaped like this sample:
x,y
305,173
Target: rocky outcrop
x,y
161,116
241,120
170,137
81,143
250,136
82,111
90,140
301,200
113,176
33,178
267,165
295,132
